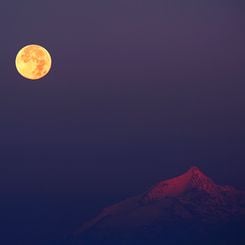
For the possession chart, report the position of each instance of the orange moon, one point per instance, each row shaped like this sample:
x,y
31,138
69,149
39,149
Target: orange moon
x,y
33,62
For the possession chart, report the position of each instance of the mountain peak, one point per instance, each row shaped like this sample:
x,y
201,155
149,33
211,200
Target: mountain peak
x,y
195,169
195,175
193,178
192,196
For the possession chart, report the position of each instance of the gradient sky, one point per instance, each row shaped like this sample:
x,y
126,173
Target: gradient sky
x,y
139,91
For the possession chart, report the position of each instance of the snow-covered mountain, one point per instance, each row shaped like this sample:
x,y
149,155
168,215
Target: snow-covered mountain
x,y
190,208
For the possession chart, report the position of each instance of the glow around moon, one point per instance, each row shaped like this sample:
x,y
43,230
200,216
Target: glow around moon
x,y
33,62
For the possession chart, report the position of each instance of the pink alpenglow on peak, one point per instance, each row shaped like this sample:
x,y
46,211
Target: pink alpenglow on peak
x,y
194,178
183,210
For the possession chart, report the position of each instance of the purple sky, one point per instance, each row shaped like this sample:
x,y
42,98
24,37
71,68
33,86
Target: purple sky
x,y
139,91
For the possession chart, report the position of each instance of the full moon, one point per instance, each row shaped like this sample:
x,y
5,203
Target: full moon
x,y
33,62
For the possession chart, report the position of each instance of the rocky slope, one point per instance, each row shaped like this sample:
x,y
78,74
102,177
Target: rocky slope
x,y
187,209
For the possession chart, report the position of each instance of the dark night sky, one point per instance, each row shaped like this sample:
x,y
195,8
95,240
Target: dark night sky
x,y
139,91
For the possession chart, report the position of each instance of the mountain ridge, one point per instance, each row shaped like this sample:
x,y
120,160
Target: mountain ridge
x,y
193,178
190,198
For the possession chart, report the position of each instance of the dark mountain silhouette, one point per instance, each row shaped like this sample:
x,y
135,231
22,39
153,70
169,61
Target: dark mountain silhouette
x,y
188,209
